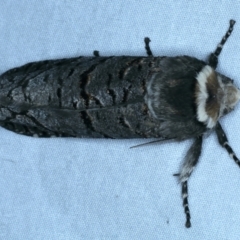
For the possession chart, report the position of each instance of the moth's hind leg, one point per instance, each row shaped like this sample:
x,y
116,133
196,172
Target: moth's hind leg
x,y
147,47
222,139
213,59
96,53
189,164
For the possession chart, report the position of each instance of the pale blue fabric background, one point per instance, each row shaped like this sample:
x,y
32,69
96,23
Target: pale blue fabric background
x,y
101,189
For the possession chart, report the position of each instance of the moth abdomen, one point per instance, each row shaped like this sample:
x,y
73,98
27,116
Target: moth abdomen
x,y
75,95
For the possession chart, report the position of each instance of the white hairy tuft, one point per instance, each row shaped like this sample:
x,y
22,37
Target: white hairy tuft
x,y
202,97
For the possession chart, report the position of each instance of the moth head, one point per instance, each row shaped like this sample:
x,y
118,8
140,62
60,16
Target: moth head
x,y
215,96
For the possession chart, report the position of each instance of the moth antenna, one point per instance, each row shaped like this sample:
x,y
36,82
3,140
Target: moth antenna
x,y
222,139
213,59
148,143
147,47
96,53
189,164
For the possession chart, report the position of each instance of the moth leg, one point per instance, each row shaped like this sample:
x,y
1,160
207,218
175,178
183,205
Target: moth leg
x,y
147,47
96,53
189,164
222,139
213,59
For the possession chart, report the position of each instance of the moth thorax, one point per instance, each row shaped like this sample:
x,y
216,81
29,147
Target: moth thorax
x,y
214,97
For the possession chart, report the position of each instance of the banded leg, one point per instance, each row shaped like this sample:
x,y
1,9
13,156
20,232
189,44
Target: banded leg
x,y
96,53
189,164
213,59
222,139
147,47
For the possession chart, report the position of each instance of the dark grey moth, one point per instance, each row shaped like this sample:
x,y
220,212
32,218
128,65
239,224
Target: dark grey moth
x,y
122,97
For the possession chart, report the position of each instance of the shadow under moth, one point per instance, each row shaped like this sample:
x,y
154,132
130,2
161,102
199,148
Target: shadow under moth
x,y
163,97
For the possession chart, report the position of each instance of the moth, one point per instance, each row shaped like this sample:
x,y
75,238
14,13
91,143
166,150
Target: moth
x,y
162,97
